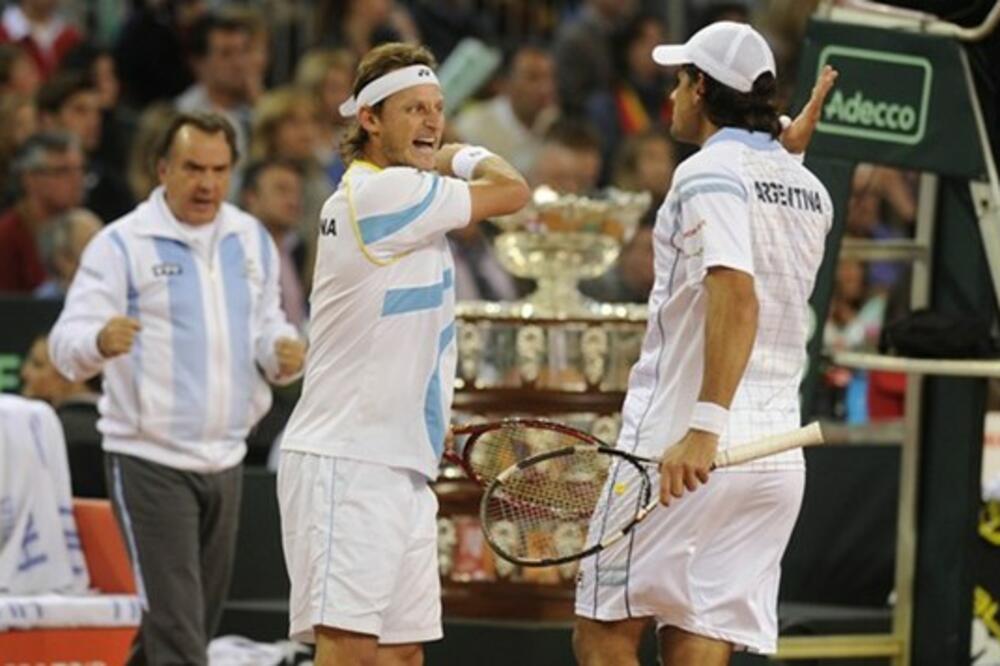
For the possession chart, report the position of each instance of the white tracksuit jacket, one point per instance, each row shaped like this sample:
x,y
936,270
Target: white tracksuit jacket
x,y
191,387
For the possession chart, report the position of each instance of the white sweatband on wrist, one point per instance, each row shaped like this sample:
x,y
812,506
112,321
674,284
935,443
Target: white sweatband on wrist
x,y
466,159
709,417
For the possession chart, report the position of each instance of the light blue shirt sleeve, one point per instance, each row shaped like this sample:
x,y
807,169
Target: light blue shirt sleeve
x,y
400,209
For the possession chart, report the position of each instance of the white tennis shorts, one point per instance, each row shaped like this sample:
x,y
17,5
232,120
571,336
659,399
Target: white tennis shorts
x,y
709,564
360,544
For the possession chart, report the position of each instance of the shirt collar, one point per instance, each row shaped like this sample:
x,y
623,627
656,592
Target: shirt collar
x,y
158,220
755,140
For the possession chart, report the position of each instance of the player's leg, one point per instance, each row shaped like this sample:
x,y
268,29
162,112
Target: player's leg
x,y
609,624
597,643
344,539
338,647
682,648
735,570
414,614
411,654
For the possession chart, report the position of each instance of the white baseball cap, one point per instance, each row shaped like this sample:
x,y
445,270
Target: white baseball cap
x,y
734,54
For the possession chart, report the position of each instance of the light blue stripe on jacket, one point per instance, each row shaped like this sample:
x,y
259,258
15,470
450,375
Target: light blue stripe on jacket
x,y
189,341
132,310
239,310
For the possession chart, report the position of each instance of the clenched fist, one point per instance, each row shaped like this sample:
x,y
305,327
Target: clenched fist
x,y
291,355
117,336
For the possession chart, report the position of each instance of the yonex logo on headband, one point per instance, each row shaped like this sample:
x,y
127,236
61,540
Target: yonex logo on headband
x,y
387,84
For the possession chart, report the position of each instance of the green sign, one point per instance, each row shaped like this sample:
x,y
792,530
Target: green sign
x,y
900,100
884,96
10,372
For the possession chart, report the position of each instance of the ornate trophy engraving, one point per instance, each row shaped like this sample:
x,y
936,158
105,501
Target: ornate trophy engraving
x,y
530,344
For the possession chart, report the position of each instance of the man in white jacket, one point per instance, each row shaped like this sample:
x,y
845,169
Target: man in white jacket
x,y
178,304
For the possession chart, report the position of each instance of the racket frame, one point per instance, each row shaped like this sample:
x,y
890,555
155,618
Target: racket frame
x,y
476,431
645,504
809,435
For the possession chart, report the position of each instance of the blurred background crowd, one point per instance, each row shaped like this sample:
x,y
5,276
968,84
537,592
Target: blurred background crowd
x,y
565,89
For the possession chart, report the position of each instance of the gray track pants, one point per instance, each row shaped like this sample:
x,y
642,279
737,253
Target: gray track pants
x,y
180,530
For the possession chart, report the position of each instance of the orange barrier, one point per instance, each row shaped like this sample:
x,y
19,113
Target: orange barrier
x,y
96,646
103,547
110,572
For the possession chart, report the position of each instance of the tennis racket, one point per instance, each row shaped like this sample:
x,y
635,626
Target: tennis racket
x,y
493,447
538,511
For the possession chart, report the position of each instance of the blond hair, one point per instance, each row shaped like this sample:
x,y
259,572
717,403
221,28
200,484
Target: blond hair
x,y
380,61
272,109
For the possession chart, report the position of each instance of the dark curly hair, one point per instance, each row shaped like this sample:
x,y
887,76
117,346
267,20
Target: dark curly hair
x,y
725,107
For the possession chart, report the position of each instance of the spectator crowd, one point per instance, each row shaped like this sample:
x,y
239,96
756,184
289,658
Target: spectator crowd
x,y
575,103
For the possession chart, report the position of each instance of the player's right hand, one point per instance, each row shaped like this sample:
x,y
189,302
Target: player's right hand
x,y
687,464
442,160
117,336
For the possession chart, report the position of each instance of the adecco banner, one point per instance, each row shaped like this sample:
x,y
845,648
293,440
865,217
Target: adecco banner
x,y
900,99
885,97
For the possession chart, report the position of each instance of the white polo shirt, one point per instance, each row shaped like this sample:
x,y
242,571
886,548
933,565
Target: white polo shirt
x,y
381,363
744,203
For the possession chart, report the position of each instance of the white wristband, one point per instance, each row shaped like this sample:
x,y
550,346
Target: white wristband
x,y
709,417
466,159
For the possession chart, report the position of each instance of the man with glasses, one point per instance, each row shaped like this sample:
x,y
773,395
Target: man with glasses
x,y
48,174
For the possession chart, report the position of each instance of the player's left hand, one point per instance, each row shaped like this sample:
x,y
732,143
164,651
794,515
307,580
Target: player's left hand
x,y
796,137
291,355
687,464
443,157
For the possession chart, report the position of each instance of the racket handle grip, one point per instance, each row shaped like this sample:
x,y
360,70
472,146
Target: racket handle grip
x,y
808,435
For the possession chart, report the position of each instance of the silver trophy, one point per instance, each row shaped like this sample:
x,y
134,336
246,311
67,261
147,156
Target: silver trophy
x,y
559,239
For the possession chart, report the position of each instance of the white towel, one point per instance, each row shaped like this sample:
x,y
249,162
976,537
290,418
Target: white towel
x,y
39,545
59,611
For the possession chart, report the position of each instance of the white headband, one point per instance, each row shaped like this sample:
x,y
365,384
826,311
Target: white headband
x,y
387,84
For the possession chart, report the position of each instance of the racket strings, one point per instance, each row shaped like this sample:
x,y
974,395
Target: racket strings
x,y
556,508
496,450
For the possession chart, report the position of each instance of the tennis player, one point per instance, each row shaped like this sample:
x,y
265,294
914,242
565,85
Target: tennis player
x,y
738,242
358,515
